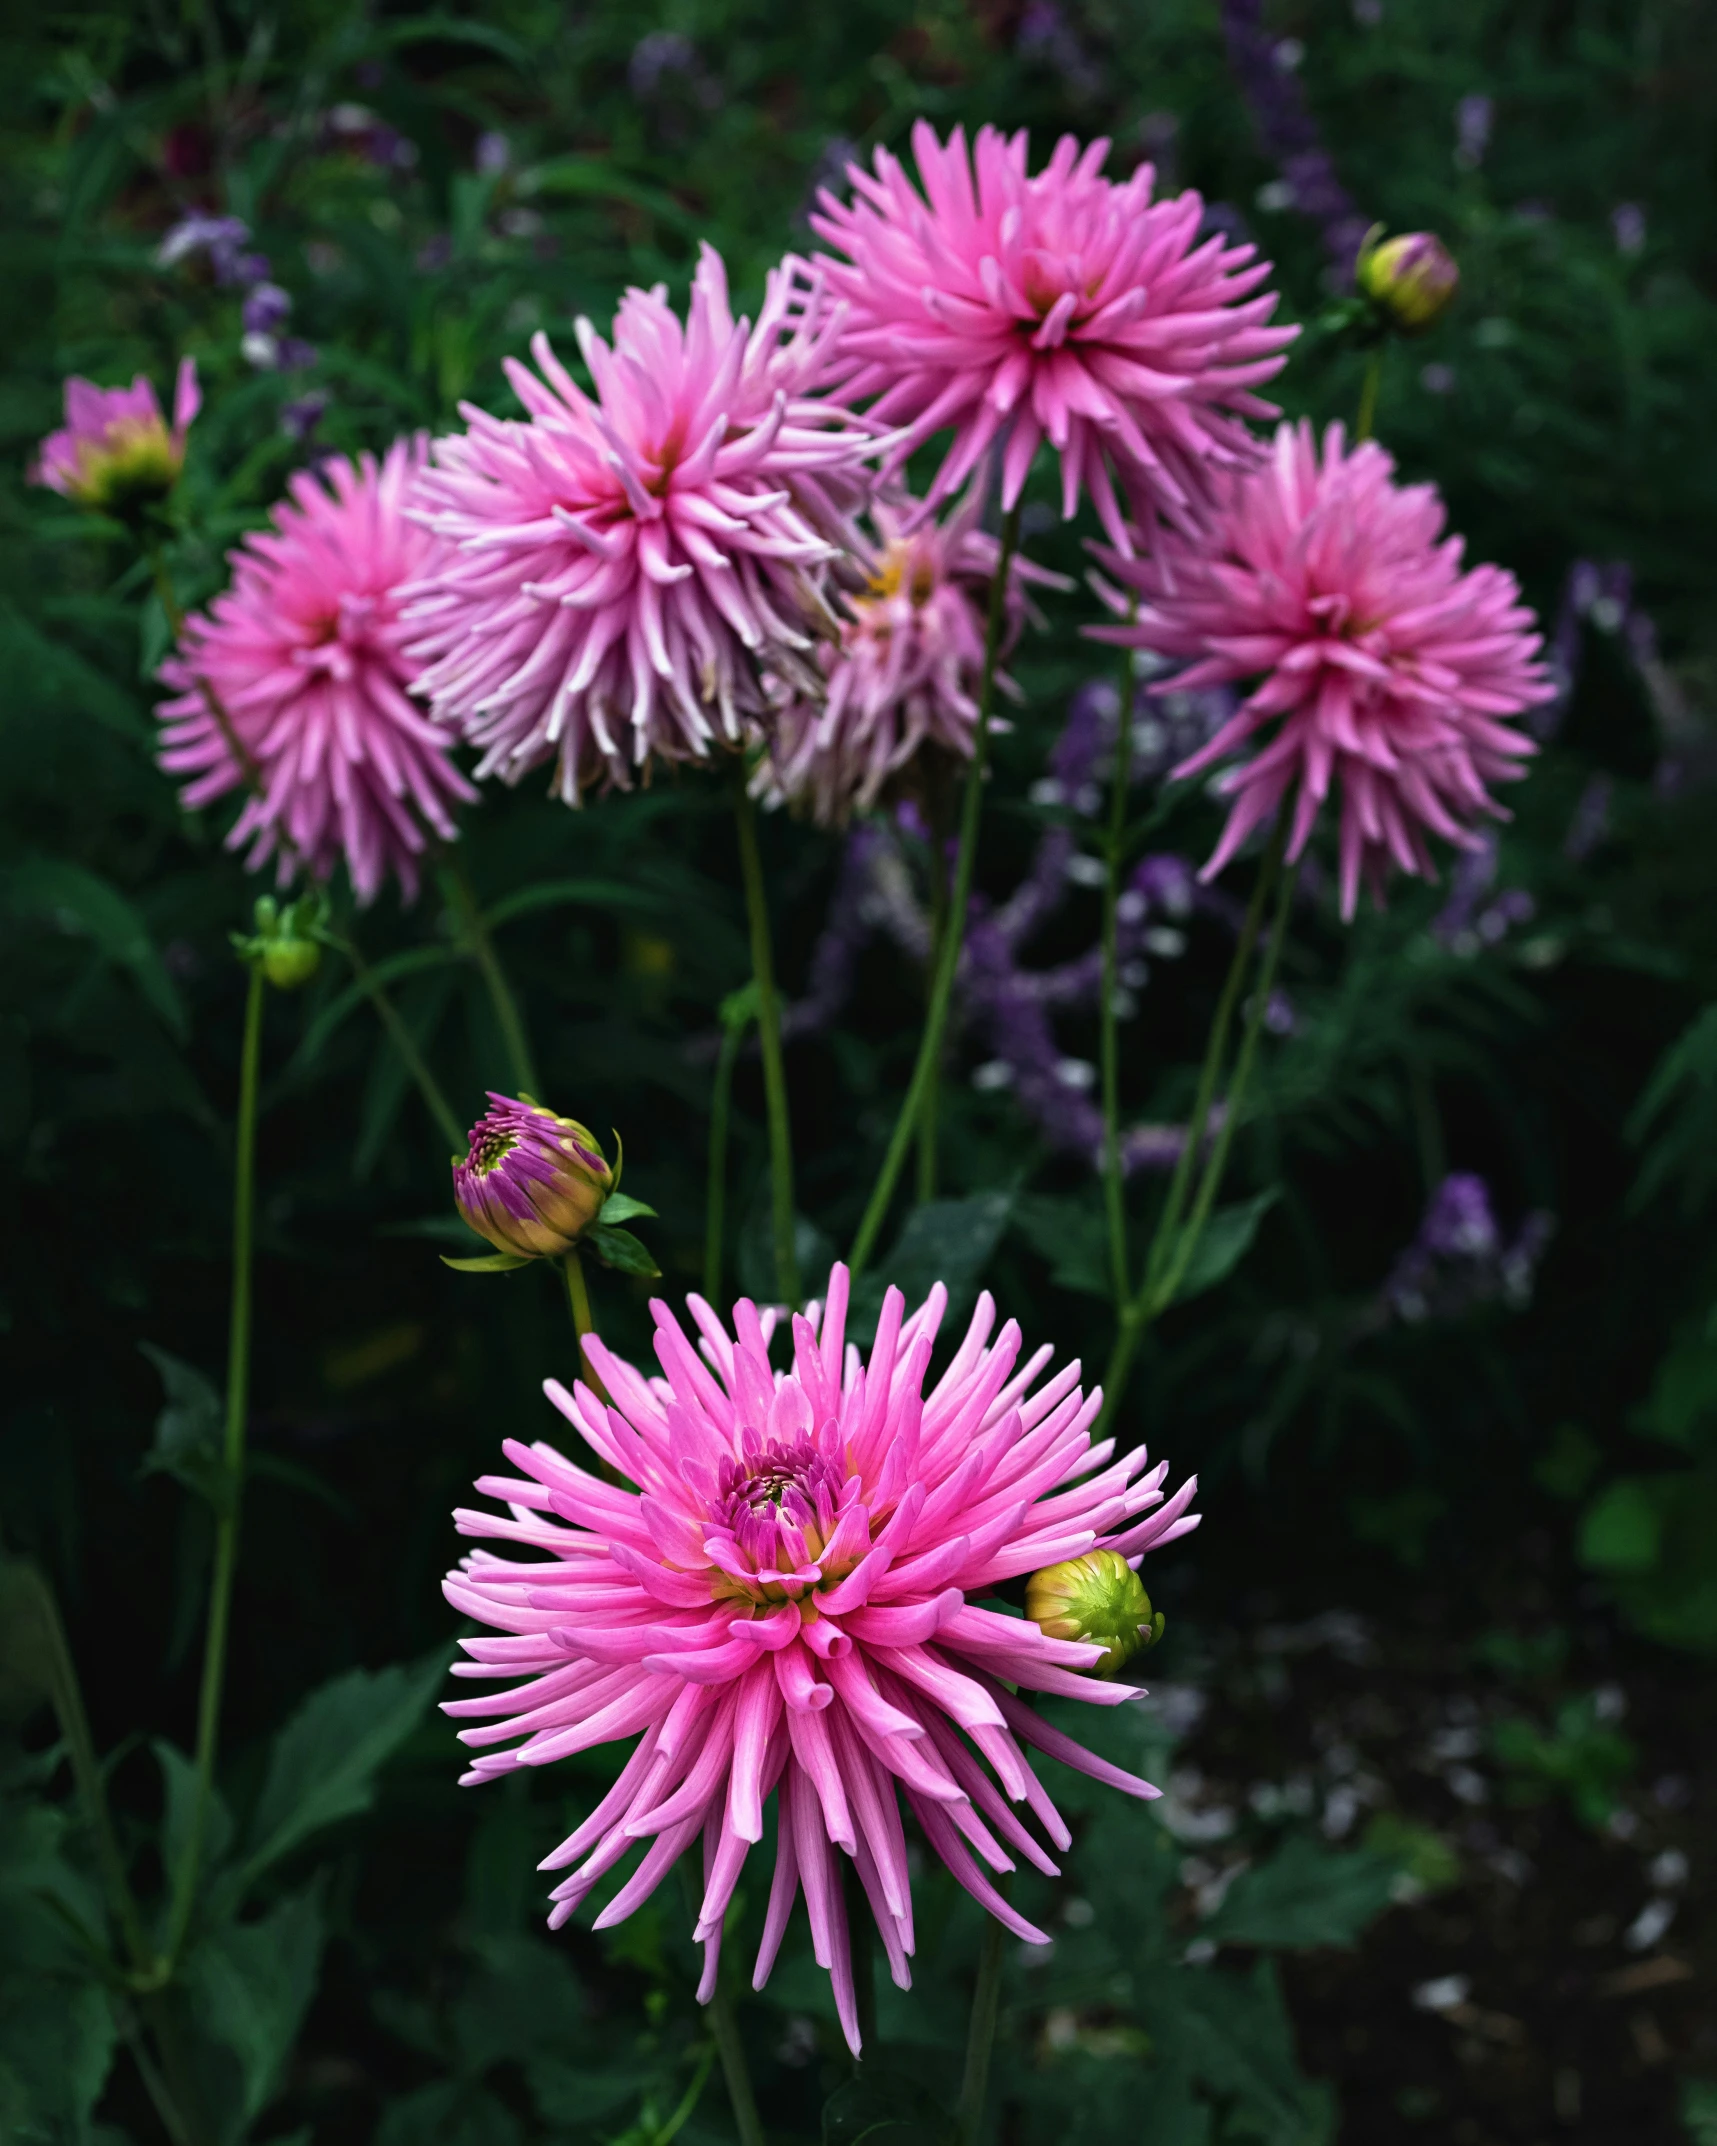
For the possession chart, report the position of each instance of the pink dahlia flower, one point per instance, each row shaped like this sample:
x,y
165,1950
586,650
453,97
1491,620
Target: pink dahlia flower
x,y
296,683
905,671
115,451
1381,661
621,570
785,1605
1064,308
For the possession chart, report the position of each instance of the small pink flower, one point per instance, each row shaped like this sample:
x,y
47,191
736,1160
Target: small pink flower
x,y
302,666
1383,663
1064,308
905,672
622,570
115,452
787,1604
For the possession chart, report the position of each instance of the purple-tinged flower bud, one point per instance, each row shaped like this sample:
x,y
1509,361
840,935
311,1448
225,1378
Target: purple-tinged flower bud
x,y
532,1183
1412,280
115,452
1097,1598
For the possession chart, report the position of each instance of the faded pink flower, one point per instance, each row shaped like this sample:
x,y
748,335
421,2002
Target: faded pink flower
x,y
905,671
295,682
621,569
115,452
786,1605
1064,308
1382,661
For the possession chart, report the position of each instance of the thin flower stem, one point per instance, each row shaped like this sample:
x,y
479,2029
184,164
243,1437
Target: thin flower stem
x,y
927,1122
578,1296
981,2036
232,1467
953,936
1109,1044
403,1041
724,2028
769,1038
715,1203
474,934
1172,1247
66,1695
1367,417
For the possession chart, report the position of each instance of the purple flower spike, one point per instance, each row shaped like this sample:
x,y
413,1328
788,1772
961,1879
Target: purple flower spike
x,y
532,1182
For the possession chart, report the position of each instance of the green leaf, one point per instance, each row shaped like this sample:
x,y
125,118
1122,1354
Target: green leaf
x,y
619,1249
324,1762
82,902
250,1985
414,961
571,893
487,1263
1072,1235
621,1207
188,1430
1234,2034
63,687
1226,1239
595,176
947,1241
1304,1895
57,2044
178,1800
1622,1530
1699,2110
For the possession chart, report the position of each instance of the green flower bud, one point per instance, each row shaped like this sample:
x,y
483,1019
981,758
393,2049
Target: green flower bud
x,y
286,941
1411,280
1097,1598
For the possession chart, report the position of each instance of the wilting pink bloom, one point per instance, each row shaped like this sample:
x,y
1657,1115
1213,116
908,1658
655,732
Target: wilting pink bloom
x,y
787,1604
621,569
905,671
295,683
1064,308
1383,663
115,452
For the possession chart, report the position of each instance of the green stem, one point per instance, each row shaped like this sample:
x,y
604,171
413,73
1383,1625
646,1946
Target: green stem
x,y
769,1038
1151,1297
474,936
948,953
66,1695
981,2036
403,1041
715,1204
1109,1042
927,1122
164,589
578,1296
1368,395
232,1467
724,2027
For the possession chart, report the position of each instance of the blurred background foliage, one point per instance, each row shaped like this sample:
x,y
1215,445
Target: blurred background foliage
x,y
1517,1436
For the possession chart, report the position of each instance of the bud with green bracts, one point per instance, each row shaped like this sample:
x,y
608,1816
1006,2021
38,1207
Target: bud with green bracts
x,y
286,941
531,1182
1097,1598
1411,280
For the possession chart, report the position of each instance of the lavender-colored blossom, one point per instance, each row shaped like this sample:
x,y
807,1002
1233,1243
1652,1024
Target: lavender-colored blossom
x,y
266,307
1627,222
1459,1260
222,238
494,154
1289,135
1473,118
532,1182
300,417
1045,34
656,56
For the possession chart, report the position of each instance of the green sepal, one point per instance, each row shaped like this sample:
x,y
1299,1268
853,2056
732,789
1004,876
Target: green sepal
x,y
621,1207
491,1263
619,1249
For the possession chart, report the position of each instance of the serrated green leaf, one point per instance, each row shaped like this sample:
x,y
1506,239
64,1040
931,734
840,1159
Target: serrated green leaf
x,y
1224,1242
178,1801
1305,1895
619,1249
1072,1236
250,1985
324,1762
188,1430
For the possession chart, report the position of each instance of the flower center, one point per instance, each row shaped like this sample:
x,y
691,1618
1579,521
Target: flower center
x,y
490,1152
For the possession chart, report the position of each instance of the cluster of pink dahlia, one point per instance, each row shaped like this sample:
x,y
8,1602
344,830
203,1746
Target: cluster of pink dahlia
x,y
785,1606
296,684
1383,664
904,673
621,570
1064,308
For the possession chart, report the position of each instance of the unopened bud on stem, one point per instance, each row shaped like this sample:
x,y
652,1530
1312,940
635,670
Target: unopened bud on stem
x,y
1411,280
532,1182
1097,1598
